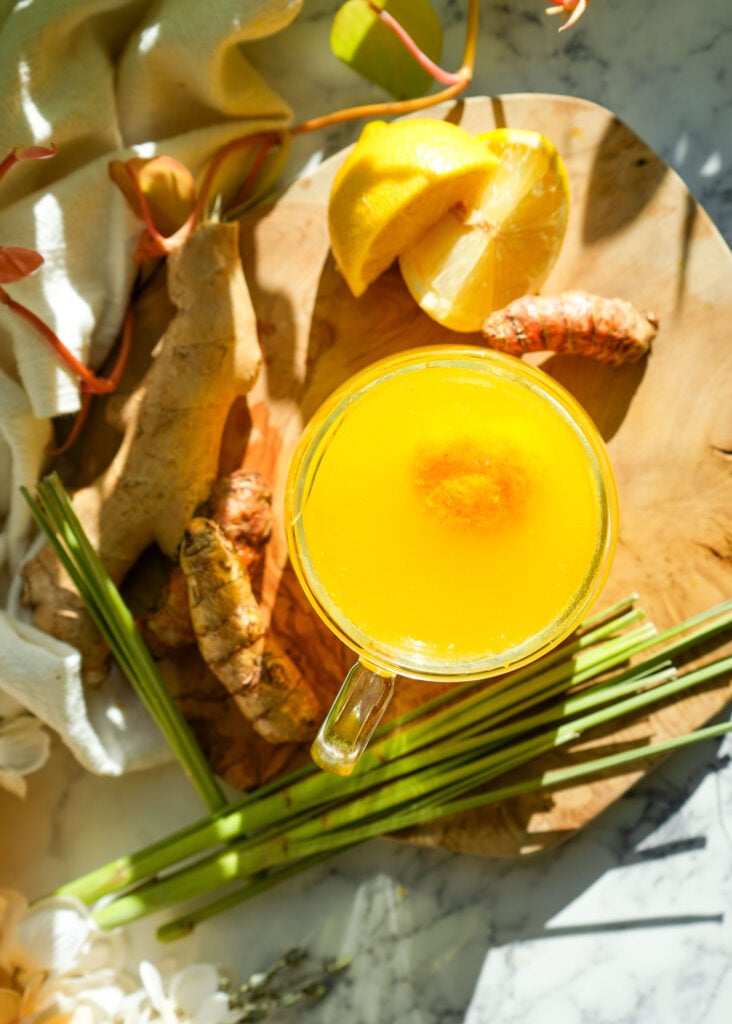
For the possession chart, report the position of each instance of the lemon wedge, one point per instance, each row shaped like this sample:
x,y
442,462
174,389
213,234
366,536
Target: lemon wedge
x,y
480,256
399,179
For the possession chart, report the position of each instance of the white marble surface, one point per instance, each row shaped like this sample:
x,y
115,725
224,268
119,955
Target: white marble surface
x,y
630,922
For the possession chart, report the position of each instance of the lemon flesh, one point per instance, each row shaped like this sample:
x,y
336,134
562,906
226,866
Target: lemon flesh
x,y
398,180
479,257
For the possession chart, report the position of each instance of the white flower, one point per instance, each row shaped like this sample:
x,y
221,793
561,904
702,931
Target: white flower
x,y
193,995
56,966
24,748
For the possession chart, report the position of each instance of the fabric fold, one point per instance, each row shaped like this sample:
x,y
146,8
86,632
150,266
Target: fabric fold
x,y
101,80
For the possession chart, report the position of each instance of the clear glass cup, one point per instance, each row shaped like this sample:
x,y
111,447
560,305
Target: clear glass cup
x,y
451,514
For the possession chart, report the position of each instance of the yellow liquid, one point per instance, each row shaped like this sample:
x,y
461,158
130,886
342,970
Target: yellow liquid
x,y
451,515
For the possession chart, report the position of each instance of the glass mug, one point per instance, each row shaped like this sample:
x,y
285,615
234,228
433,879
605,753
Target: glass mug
x,y
451,514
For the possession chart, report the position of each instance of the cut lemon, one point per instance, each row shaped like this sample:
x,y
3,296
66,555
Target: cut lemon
x,y
481,256
398,179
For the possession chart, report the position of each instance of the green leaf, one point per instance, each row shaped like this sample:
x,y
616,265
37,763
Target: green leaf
x,y
361,40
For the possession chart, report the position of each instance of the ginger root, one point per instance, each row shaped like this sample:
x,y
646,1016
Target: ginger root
x,y
266,685
608,330
167,460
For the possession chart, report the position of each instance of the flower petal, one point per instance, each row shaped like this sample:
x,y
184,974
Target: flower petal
x,y
216,1009
24,745
53,934
13,783
153,984
12,907
190,987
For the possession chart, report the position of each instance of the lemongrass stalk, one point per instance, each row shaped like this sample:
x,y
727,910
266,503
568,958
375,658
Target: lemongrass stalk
x,y
606,612
514,700
571,705
602,625
231,865
380,808
316,786
58,520
323,832
183,925
306,792
561,776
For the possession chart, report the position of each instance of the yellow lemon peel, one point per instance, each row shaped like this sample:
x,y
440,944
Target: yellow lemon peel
x,y
398,179
483,254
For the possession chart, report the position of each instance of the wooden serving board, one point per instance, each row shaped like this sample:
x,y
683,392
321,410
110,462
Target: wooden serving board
x,y
635,232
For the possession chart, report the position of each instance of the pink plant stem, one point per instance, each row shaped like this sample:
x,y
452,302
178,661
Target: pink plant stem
x,y
27,153
439,74
87,395
263,138
261,155
124,350
5,165
96,385
79,421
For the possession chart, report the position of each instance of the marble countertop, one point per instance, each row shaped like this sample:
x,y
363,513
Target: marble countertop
x,y
628,922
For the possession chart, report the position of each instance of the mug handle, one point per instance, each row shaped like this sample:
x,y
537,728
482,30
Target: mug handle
x,y
349,725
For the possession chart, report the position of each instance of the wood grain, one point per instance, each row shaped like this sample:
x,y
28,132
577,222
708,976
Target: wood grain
x,y
634,231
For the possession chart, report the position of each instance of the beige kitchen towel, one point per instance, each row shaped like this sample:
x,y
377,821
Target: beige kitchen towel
x,y
100,80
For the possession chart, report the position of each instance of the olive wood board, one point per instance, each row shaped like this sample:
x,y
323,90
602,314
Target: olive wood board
x,y
634,232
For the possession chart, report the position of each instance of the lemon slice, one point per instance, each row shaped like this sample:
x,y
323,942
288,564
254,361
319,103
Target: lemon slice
x,y
398,179
481,256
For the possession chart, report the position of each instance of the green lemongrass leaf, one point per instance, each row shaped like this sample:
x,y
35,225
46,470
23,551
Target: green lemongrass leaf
x,y
550,780
56,517
379,808
184,925
590,632
610,611
112,616
362,41
322,831
312,789
561,776
509,700
309,791
306,789
232,864
230,822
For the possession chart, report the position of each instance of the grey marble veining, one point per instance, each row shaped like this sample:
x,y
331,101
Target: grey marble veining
x,y
628,922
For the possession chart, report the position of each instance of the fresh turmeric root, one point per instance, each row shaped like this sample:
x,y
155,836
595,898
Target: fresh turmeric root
x,y
241,505
608,330
230,634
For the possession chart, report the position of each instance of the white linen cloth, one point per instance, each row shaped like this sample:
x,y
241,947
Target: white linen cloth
x,y
101,80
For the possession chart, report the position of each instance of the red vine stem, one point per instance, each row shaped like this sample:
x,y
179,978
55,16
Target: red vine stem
x,y
79,421
463,78
86,394
96,385
266,139
248,184
439,74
